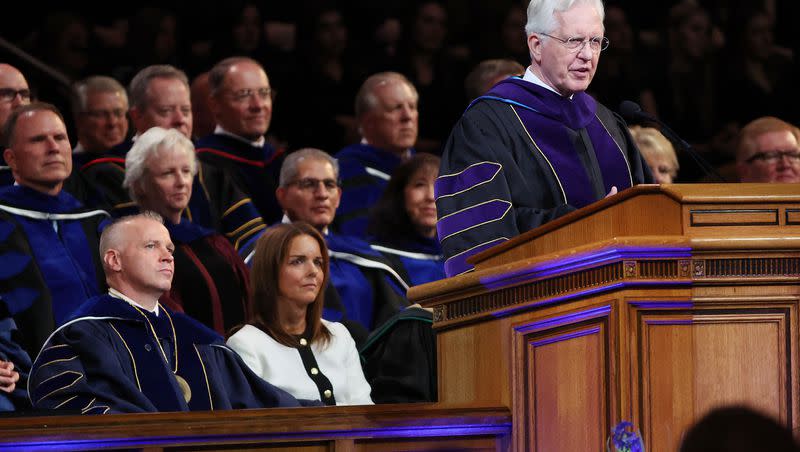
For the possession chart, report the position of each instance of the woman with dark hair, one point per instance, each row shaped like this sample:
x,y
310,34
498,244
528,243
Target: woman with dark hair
x,y
286,341
403,221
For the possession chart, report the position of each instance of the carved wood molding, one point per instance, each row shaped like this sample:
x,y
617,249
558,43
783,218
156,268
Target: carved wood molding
x,y
538,291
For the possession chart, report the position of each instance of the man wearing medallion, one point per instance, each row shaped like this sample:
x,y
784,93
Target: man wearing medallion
x,y
123,352
537,147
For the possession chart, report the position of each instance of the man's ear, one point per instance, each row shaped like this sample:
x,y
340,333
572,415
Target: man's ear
x,y
535,47
338,198
743,171
213,106
136,117
280,194
11,161
111,260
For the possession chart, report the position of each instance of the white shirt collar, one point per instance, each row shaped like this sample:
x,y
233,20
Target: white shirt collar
x,y
78,149
258,143
117,294
533,78
286,220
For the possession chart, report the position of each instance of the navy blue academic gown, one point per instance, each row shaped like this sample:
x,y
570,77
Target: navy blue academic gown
x,y
364,171
106,359
521,156
369,289
50,265
419,258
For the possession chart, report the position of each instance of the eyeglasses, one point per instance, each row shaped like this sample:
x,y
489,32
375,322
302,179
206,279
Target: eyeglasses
x,y
245,94
9,94
118,113
577,43
310,184
774,156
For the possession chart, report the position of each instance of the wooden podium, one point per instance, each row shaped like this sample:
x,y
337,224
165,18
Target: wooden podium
x,y
652,306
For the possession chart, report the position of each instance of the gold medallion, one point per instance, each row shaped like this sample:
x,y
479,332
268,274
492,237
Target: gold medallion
x,y
185,389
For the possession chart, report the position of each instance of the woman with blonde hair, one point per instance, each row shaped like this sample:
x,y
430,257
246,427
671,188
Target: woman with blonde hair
x,y
658,152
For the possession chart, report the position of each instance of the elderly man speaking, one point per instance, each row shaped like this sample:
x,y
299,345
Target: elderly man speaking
x,y
536,147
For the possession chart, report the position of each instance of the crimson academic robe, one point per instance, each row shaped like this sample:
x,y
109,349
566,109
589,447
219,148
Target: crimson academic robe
x,y
107,359
211,282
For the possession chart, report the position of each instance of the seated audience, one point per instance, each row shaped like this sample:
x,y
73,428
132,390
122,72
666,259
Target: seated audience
x,y
738,429
365,290
386,112
403,222
100,110
487,73
49,240
159,96
768,151
14,91
286,341
658,152
211,282
124,352
241,102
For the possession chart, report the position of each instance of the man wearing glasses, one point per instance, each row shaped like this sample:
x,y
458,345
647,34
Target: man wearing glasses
x,y
768,151
14,91
365,291
537,147
241,102
100,108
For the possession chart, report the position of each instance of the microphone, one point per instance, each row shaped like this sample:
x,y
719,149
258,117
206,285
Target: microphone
x,y
631,111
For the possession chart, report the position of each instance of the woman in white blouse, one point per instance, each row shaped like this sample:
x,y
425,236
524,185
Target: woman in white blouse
x,y
286,341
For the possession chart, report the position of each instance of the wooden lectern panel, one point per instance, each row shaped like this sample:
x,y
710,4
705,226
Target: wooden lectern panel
x,y
652,306
695,360
567,396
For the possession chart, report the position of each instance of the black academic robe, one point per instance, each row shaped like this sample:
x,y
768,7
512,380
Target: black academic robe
x,y
399,358
522,156
254,169
107,359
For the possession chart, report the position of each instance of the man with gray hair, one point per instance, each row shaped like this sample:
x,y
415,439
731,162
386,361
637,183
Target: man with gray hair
x,y
365,290
535,148
386,112
160,96
100,109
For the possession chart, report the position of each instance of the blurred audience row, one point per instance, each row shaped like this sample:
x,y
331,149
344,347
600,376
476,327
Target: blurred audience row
x,y
706,68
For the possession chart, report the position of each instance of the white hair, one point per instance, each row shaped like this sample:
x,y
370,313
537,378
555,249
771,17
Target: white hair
x,y
541,13
153,142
